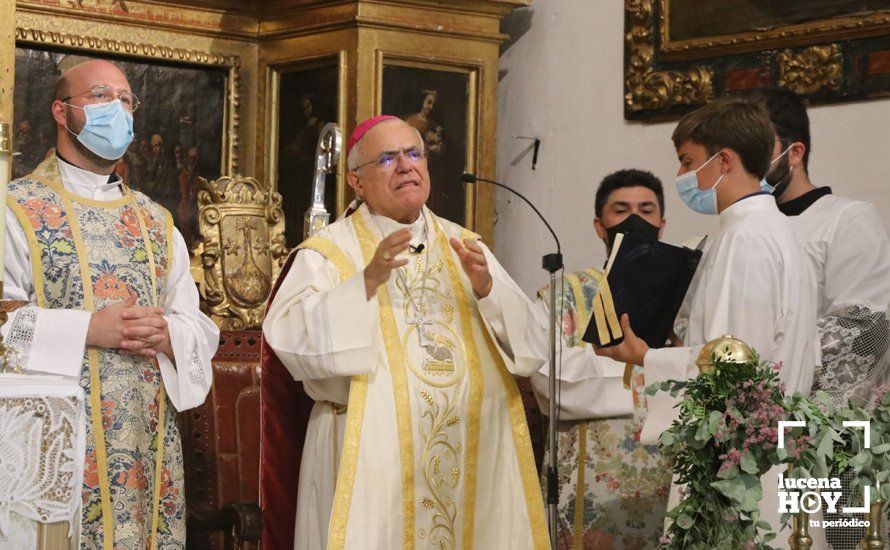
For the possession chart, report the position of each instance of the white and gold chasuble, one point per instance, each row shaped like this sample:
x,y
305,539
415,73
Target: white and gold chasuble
x,y
435,451
87,255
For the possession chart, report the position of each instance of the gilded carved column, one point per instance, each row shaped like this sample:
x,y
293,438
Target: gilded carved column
x,y
7,58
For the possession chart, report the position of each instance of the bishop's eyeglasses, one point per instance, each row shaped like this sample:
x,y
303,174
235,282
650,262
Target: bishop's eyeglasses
x,y
388,160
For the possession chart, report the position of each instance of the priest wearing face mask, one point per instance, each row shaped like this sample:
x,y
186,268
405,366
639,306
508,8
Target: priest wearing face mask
x,y
753,282
406,332
132,334
613,489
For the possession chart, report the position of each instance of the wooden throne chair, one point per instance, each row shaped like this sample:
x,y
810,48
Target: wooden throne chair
x,y
236,264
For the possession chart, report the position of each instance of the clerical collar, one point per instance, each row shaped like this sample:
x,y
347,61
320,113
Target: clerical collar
x,y
388,225
84,183
796,207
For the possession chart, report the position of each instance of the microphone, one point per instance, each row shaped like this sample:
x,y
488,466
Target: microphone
x,y
416,249
550,262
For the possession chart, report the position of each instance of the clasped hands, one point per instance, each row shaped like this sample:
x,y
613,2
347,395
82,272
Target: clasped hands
x,y
386,259
131,329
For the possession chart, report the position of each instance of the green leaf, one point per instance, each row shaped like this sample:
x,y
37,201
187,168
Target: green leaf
x,y
748,463
782,453
769,536
702,433
826,447
860,460
764,525
881,449
744,491
728,473
684,521
714,420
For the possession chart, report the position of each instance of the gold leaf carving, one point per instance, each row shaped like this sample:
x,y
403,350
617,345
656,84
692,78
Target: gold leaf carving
x,y
811,69
645,88
243,249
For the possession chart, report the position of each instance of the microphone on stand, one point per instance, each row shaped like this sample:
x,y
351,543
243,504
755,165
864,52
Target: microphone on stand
x,y
552,263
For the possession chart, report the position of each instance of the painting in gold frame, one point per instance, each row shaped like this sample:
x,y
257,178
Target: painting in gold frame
x,y
439,101
185,127
680,53
306,96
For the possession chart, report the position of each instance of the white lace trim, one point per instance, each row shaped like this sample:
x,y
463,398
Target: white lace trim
x,y
21,332
854,353
196,372
42,447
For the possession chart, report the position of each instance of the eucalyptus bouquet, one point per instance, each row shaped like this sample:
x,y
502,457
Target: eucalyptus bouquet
x,y
723,442
726,438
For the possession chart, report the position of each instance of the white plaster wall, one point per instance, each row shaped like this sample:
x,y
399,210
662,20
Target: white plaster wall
x,y
562,81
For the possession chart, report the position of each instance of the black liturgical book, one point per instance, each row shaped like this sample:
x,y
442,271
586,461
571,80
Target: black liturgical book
x,y
648,280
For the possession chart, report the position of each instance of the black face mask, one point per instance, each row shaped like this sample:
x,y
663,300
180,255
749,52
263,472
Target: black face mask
x,y
780,177
632,224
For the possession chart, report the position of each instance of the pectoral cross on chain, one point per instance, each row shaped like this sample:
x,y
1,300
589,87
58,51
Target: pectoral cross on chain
x,y
420,321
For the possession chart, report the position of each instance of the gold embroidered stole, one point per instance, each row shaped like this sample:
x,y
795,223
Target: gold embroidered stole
x,y
437,385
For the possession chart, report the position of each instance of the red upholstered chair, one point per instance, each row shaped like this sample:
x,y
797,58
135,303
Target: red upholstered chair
x,y
221,440
235,265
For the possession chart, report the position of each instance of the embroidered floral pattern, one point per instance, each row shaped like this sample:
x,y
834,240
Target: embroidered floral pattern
x,y
626,484
119,265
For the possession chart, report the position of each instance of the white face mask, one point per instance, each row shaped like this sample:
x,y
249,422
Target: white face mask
x,y
767,186
702,201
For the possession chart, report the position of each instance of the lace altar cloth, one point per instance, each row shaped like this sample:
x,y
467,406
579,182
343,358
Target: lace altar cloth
x,y
42,442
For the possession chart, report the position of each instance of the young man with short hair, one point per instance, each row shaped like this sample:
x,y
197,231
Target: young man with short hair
x,y
847,246
753,281
613,489
848,249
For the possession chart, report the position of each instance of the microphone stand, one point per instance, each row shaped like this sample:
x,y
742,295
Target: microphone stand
x,y
552,263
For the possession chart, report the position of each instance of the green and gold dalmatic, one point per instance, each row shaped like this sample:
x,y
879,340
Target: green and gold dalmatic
x,y
87,255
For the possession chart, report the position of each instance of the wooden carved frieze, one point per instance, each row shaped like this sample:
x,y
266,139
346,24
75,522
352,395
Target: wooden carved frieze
x,y
811,69
646,88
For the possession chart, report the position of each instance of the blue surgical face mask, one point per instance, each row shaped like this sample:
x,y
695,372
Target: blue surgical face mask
x,y
702,201
108,130
765,185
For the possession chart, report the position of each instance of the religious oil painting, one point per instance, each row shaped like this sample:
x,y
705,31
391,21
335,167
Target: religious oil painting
x,y
307,100
179,125
681,53
436,103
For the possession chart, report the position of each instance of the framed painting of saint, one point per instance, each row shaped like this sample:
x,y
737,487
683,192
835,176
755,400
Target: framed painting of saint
x,y
437,100
307,97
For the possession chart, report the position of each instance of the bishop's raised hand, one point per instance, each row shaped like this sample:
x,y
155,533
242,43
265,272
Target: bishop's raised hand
x,y
385,259
472,259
